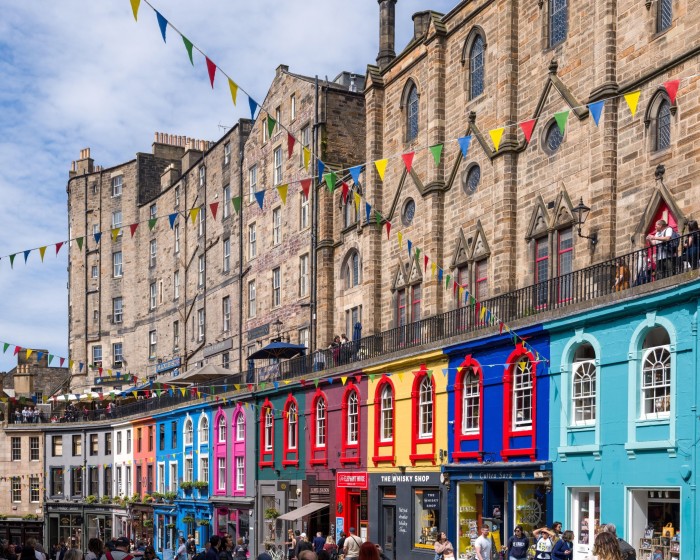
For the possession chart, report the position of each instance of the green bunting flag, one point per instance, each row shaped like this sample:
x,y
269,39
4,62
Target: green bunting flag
x,y
378,218
79,241
5,347
561,119
436,150
330,180
188,46
447,281
236,201
152,223
50,358
12,260
270,126
417,253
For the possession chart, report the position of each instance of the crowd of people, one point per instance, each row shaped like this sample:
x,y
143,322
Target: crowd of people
x,y
30,550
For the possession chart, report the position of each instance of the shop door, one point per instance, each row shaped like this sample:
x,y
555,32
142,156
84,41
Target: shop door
x,y
585,509
387,537
354,514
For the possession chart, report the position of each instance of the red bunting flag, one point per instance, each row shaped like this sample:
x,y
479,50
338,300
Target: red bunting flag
x,y
302,382
61,362
132,228
250,386
455,285
290,144
345,192
214,206
17,349
500,327
305,186
672,89
211,68
388,228
527,128
425,263
408,160
58,247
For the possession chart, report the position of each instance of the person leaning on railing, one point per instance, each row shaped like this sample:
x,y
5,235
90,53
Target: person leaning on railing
x,y
665,253
691,245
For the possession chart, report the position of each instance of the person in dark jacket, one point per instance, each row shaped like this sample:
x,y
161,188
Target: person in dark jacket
x,y
563,548
319,541
213,551
303,544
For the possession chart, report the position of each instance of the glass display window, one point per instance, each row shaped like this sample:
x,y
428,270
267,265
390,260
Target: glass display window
x,y
426,516
469,510
530,505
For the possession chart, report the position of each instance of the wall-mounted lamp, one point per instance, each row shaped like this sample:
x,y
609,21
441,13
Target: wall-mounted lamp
x,y
277,473
402,469
298,492
445,479
581,214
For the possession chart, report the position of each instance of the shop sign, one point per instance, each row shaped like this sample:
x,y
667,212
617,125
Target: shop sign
x,y
218,347
167,366
351,480
431,499
394,478
257,332
320,494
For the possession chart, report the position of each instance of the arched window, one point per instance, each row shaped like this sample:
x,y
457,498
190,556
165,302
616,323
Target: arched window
x,y
656,375
558,21
425,408
384,414
238,449
189,432
411,104
268,430
350,443
584,386
267,435
471,400
522,395
292,425
351,270
203,430
664,15
221,429
476,67
386,420
353,419
662,136
240,426
321,423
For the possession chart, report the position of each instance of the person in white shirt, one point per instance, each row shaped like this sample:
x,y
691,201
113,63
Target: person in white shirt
x,y
483,545
664,253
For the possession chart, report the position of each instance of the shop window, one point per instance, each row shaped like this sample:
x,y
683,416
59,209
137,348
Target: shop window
x,y
655,519
468,410
351,426
319,426
384,422
423,411
656,376
469,510
584,386
425,517
267,435
530,505
291,433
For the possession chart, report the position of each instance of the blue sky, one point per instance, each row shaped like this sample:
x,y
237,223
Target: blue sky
x,y
76,74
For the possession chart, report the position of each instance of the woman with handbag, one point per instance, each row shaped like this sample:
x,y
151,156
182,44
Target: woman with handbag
x,y
443,548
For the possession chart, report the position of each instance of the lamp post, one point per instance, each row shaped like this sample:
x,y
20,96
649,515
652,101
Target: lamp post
x,y
581,212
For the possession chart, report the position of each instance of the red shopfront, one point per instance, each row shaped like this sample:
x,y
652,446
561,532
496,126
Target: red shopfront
x,y
351,506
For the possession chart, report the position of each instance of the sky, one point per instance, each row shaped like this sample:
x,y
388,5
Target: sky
x,y
77,74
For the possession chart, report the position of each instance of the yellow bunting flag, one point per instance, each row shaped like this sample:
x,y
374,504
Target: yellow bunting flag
x,y
381,167
522,365
400,376
182,391
400,236
115,233
496,135
42,250
434,269
282,189
29,353
135,8
236,386
357,202
287,381
307,157
234,89
193,214
632,100
70,364
343,380
483,313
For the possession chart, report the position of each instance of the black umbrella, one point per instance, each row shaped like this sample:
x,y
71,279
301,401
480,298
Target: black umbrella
x,y
278,351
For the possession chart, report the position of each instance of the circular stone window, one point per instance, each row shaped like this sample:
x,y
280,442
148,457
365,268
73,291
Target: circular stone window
x,y
409,210
471,179
553,138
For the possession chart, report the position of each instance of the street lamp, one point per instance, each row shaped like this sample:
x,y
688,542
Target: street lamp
x,y
581,213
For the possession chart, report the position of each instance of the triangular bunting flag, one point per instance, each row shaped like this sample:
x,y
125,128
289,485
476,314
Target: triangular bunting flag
x,y
17,349
527,127
388,228
447,281
496,135
132,228
596,109
672,89
29,352
561,118
316,382
409,244
58,247
135,8
408,160
97,237
464,143
343,379
270,126
436,150
115,233
321,167
358,199
214,207
172,218
236,201
399,236
260,197
439,274
290,145
253,107
306,186
330,179
355,173
368,211
162,23
346,190
380,164
194,212
79,241
233,86
211,69
51,356
6,345
42,252
378,218
307,157
152,223
61,361
632,100
188,46
12,261
282,190
425,263
26,255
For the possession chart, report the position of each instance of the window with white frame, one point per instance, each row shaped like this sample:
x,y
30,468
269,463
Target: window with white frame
x,y
292,426
16,489
386,419
240,472
425,408
470,402
204,469
304,337
94,271
173,477
200,271
222,429
227,255
656,382
204,431
153,296
252,182
200,324
252,301
268,430
304,211
97,355
226,313
176,284
201,217
34,490
16,445
252,242
117,270
227,153
177,195
522,395
152,344
153,211
304,275
276,287
176,230
117,309
116,219
153,252
128,479
292,107
353,418
305,138
240,427
176,334
277,157
202,176
189,432
353,316
227,201
33,448
161,478
120,481
221,482
189,469
117,184
276,226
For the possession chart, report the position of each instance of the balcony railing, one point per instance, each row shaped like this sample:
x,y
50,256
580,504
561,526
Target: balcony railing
x,y
643,266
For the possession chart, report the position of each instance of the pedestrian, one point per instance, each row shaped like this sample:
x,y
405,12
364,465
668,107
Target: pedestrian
x,y
563,548
518,544
626,549
213,550
368,551
318,542
341,541
303,544
351,549
665,241
94,549
181,552
556,529
606,547
483,545
544,543
120,552
443,548
28,553
149,553
191,546
330,546
241,550
291,544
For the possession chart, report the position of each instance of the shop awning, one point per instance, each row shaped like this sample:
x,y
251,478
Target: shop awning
x,y
303,511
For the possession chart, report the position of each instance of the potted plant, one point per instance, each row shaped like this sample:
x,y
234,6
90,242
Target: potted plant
x,y
157,496
105,500
91,499
186,486
170,496
3,516
30,517
170,526
200,485
202,522
188,519
271,514
148,522
149,500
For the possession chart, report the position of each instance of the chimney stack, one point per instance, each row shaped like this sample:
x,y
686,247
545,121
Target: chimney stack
x,y
387,25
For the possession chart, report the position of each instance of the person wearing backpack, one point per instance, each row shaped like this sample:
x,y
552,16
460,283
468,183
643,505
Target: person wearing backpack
x,y
665,241
120,552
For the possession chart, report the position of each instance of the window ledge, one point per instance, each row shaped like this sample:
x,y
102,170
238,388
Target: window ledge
x,y
659,445
581,428
566,450
653,421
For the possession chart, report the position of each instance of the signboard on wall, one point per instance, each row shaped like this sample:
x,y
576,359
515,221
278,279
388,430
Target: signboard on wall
x,y
431,499
352,480
339,527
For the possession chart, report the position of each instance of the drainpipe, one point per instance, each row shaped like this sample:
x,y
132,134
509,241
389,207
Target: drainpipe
x,y
240,251
314,227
